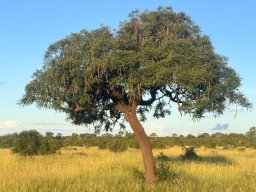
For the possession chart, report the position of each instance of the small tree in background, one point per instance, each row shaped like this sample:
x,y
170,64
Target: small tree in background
x,y
190,154
27,143
118,145
154,59
31,142
251,134
49,144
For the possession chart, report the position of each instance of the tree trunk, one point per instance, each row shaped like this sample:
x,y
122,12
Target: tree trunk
x,y
145,146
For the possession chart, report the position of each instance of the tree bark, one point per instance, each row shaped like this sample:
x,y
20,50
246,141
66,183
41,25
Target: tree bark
x,y
145,146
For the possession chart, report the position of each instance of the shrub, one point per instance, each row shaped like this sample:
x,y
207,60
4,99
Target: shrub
x,y
7,141
164,172
241,148
163,169
48,146
118,145
137,174
133,144
31,142
102,144
162,157
190,154
27,143
157,144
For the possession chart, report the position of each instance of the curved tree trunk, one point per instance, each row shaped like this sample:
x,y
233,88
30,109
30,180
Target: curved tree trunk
x,y
145,146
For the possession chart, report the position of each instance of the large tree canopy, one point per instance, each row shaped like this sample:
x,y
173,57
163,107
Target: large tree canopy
x,y
154,59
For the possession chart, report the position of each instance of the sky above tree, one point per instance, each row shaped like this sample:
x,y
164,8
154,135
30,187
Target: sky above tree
x,y
28,28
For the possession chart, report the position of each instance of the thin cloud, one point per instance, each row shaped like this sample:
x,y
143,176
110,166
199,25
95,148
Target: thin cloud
x,y
157,127
220,127
1,83
9,124
48,124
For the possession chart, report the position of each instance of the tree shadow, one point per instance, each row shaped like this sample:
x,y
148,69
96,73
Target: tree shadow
x,y
215,159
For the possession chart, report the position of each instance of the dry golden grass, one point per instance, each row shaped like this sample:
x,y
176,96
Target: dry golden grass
x,y
90,169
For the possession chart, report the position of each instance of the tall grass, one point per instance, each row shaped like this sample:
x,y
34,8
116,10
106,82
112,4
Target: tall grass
x,y
89,169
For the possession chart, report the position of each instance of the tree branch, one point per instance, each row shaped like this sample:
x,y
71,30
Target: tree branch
x,y
153,94
173,95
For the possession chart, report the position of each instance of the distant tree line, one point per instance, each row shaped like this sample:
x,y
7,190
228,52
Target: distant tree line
x,y
33,143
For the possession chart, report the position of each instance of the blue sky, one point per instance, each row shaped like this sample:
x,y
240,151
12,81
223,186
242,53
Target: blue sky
x,y
28,27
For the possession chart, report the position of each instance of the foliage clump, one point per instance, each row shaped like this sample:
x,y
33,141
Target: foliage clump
x,y
162,157
98,76
118,145
163,170
29,143
157,144
190,154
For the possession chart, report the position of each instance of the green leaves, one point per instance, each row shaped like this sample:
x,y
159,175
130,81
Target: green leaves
x,y
154,57
160,111
29,143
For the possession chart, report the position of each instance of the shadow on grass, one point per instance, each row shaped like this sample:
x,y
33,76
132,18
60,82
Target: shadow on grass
x,y
215,159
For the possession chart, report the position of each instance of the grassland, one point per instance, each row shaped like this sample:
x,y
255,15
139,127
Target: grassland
x,y
78,169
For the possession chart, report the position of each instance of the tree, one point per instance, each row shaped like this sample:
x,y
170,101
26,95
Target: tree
x,y
31,142
153,135
154,59
27,143
251,133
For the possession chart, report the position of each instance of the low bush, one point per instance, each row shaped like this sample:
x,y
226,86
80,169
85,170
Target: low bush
x,y
27,143
163,170
157,144
241,148
190,154
162,157
102,144
118,145
48,146
31,142
137,174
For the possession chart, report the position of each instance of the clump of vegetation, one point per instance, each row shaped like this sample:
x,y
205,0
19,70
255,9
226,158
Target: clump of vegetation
x,y
190,154
157,144
48,146
118,145
163,170
162,157
137,174
29,143
241,148
103,144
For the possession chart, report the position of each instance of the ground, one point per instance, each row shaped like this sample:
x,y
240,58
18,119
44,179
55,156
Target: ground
x,y
89,169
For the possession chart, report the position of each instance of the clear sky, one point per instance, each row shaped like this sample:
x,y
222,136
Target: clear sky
x,y
28,27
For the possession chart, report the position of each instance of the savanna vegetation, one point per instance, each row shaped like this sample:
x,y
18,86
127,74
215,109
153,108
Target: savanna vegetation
x,y
88,169
33,143
32,162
